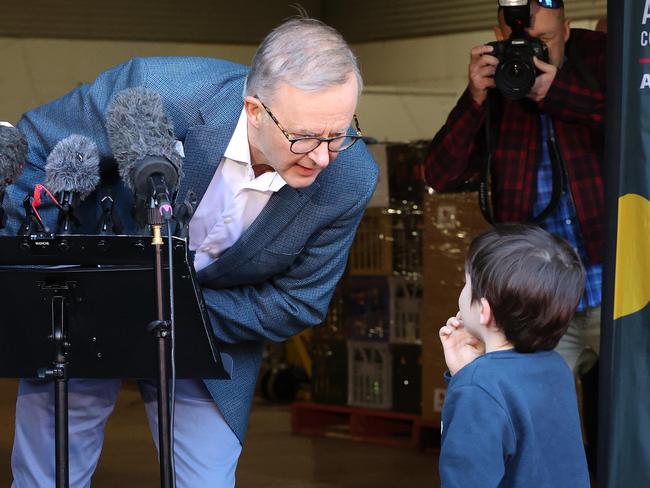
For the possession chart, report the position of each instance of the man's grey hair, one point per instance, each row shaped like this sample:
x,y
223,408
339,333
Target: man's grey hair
x,y
304,53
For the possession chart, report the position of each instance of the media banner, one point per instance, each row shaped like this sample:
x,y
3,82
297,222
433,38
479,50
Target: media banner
x,y
625,375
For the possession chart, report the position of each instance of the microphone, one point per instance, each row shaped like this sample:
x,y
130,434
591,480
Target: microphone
x,y
13,157
71,173
142,139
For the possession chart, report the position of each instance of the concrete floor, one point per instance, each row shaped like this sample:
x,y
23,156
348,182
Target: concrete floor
x,y
272,457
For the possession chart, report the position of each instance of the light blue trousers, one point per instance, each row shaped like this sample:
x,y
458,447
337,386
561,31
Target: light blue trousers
x,y
205,449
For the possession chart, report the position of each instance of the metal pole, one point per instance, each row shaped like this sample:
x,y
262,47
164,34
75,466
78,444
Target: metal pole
x,y
162,334
59,374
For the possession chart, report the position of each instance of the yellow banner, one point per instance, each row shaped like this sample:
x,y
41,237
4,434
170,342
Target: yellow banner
x,y
632,285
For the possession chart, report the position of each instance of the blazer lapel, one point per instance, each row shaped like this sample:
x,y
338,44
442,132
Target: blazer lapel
x,y
276,215
204,145
204,148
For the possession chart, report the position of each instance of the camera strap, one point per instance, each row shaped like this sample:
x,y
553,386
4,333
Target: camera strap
x,y
558,169
485,182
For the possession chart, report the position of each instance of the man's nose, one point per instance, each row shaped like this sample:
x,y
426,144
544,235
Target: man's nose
x,y
321,155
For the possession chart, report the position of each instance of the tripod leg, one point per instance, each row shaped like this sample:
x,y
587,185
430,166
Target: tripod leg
x,y
164,428
61,432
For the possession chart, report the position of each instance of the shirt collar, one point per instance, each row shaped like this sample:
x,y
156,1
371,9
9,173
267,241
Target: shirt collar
x,y
270,181
239,150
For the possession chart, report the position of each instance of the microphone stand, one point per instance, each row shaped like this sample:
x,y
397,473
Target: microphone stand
x,y
59,373
58,293
159,212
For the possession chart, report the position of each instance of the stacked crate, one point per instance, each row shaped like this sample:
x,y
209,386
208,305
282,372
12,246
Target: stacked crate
x,y
371,253
384,288
404,274
405,164
407,226
406,294
329,379
367,312
407,192
369,375
328,353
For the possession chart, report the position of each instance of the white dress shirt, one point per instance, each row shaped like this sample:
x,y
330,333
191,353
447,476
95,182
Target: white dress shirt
x,y
232,201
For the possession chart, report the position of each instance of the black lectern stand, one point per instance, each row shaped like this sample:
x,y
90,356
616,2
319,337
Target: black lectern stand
x,y
79,307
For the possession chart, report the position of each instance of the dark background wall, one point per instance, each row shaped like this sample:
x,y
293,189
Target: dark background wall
x,y
247,21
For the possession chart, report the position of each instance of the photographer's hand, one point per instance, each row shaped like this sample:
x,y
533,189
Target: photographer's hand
x,y
543,81
459,346
481,72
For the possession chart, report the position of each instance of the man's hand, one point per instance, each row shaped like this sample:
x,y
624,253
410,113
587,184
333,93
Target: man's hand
x,y
481,72
460,347
543,82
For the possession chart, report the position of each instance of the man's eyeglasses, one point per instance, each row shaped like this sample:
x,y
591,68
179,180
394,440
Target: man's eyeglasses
x,y
306,144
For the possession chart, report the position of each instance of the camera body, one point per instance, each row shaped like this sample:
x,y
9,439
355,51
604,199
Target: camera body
x,y
516,72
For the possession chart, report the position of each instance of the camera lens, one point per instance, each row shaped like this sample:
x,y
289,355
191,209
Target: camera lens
x,y
514,71
515,77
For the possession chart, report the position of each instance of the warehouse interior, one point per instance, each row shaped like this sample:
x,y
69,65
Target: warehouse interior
x,y
354,402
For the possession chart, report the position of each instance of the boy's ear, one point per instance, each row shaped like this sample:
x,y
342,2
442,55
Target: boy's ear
x,y
486,315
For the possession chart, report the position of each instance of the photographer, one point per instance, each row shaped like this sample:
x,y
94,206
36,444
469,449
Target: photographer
x,y
539,152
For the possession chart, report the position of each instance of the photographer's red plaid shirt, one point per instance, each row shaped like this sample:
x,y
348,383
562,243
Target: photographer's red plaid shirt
x,y
457,152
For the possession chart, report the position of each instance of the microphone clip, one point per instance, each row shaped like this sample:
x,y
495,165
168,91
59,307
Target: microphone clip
x,y
67,220
108,224
184,212
32,224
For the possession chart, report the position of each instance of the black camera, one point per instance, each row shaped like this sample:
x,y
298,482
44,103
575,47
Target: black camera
x,y
516,72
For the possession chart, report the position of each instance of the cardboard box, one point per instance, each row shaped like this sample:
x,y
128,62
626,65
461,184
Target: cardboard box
x,y
451,221
381,196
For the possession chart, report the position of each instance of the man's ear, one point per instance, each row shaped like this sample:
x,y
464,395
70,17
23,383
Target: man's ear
x,y
499,34
254,109
486,316
566,29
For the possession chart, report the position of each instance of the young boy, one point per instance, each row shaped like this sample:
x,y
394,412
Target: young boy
x,y
510,417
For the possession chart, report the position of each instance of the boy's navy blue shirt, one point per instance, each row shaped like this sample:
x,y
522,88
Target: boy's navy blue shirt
x,y
511,420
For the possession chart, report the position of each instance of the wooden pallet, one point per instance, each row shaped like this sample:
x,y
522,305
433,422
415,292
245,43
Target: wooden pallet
x,y
364,425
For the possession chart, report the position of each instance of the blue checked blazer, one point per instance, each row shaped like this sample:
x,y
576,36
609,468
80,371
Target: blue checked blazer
x,y
278,278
